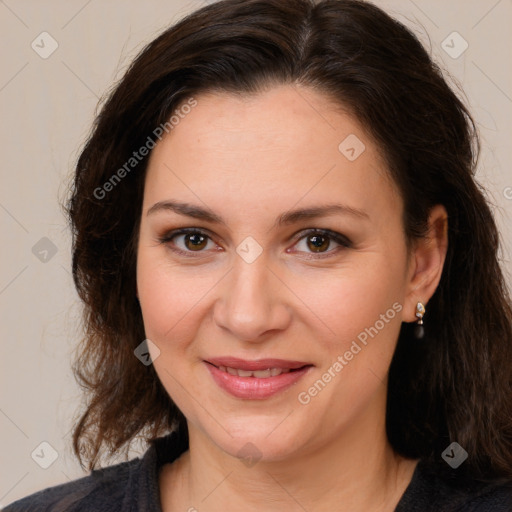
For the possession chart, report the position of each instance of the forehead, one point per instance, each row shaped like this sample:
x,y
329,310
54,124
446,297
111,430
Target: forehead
x,y
273,149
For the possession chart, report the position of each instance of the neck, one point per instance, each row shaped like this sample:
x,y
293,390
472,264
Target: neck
x,y
357,469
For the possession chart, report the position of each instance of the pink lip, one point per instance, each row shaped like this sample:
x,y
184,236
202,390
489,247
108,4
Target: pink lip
x,y
253,388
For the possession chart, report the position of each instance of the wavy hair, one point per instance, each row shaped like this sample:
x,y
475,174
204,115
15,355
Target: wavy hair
x,y
456,384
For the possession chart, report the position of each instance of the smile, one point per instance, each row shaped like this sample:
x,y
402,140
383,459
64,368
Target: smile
x,y
259,374
255,380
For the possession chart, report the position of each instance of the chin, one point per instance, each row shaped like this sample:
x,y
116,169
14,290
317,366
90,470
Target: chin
x,y
261,439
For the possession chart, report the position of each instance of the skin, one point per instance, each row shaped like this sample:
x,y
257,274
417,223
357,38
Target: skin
x,y
250,159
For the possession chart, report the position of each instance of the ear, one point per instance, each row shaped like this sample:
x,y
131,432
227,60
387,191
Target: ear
x,y
426,262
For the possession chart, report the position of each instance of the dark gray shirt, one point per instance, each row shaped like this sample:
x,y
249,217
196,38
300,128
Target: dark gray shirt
x,y
133,487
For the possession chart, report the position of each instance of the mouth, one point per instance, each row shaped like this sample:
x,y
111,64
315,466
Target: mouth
x,y
259,374
255,380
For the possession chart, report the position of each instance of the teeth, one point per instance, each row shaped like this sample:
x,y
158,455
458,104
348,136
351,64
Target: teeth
x,y
259,374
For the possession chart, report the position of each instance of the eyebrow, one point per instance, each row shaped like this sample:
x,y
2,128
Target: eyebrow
x,y
287,218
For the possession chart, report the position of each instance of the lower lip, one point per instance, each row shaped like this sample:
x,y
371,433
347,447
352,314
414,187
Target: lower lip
x,y
254,388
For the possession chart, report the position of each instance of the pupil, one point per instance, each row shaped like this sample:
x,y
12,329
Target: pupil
x,y
318,242
196,239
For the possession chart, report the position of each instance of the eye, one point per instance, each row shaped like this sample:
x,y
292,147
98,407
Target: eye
x,y
318,241
186,241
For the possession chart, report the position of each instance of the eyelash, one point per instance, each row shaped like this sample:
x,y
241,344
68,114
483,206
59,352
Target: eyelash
x,y
332,235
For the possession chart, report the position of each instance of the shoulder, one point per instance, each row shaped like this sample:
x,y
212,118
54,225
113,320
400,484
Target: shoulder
x,y
101,490
125,487
434,488
491,498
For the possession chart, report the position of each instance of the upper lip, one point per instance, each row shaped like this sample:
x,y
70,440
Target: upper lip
x,y
258,364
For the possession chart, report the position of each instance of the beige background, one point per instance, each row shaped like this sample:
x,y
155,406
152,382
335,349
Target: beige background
x,y
46,107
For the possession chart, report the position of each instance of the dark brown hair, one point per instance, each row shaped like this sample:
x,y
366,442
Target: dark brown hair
x,y
453,386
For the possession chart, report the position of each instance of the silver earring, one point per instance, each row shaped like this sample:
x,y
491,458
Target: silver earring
x,y
419,330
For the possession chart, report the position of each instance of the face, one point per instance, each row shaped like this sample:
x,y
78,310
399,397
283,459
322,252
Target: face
x,y
311,302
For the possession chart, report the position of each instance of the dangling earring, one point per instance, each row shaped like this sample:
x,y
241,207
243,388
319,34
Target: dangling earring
x,y
419,330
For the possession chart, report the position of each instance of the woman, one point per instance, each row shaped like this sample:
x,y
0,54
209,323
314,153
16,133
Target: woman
x,y
290,276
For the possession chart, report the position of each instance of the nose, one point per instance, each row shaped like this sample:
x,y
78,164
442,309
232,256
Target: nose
x,y
252,302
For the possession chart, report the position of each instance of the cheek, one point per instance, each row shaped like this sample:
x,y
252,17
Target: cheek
x,y
171,302
359,319
352,300
170,297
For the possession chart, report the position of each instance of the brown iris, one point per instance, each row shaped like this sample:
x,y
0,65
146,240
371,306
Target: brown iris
x,y
318,242
197,240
